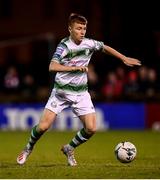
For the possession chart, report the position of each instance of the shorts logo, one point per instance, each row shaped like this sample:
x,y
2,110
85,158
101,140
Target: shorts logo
x,y
54,104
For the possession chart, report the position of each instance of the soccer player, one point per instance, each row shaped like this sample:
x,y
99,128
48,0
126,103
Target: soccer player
x,y
70,61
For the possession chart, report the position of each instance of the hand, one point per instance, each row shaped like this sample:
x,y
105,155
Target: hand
x,y
81,68
131,61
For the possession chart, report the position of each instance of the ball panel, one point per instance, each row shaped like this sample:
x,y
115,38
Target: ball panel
x,y
125,152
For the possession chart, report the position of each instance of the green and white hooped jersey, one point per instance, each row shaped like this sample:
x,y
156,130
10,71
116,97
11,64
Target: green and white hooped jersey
x,y
70,54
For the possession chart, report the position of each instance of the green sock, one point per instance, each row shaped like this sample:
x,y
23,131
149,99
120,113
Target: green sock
x,y
81,137
35,135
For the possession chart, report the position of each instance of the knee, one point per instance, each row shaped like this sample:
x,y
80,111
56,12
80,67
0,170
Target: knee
x,y
91,130
43,126
46,120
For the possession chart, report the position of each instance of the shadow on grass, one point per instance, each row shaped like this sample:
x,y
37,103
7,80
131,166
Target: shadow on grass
x,y
8,165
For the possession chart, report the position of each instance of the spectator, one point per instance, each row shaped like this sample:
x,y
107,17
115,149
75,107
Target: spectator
x,y
120,72
121,77
131,87
152,83
143,80
28,86
113,87
12,80
93,82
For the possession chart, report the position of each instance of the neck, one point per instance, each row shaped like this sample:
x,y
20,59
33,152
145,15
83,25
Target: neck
x,y
75,41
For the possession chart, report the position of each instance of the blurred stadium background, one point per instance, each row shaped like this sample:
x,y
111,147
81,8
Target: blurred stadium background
x,y
29,33
125,98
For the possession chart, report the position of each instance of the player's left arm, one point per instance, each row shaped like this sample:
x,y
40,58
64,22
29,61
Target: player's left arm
x,y
126,60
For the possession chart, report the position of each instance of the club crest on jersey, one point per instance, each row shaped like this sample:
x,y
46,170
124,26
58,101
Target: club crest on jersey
x,y
87,52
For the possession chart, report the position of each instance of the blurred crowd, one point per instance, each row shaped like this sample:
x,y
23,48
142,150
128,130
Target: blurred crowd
x,y
123,84
25,78
120,85
24,71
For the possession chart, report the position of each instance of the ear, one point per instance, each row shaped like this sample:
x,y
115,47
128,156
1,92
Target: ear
x,y
69,29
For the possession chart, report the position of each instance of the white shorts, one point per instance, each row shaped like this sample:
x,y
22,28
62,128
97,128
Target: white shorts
x,y
81,103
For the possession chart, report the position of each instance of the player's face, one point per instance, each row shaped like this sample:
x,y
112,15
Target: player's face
x,y
77,32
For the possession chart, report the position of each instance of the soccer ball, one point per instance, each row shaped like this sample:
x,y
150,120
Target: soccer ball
x,y
125,152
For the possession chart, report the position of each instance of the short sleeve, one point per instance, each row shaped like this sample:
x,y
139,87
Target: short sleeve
x,y
98,45
60,52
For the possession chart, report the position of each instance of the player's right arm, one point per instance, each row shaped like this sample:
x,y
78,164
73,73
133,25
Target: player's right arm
x,y
56,64
57,67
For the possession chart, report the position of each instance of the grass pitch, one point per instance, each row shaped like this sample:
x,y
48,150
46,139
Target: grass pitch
x,y
96,159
